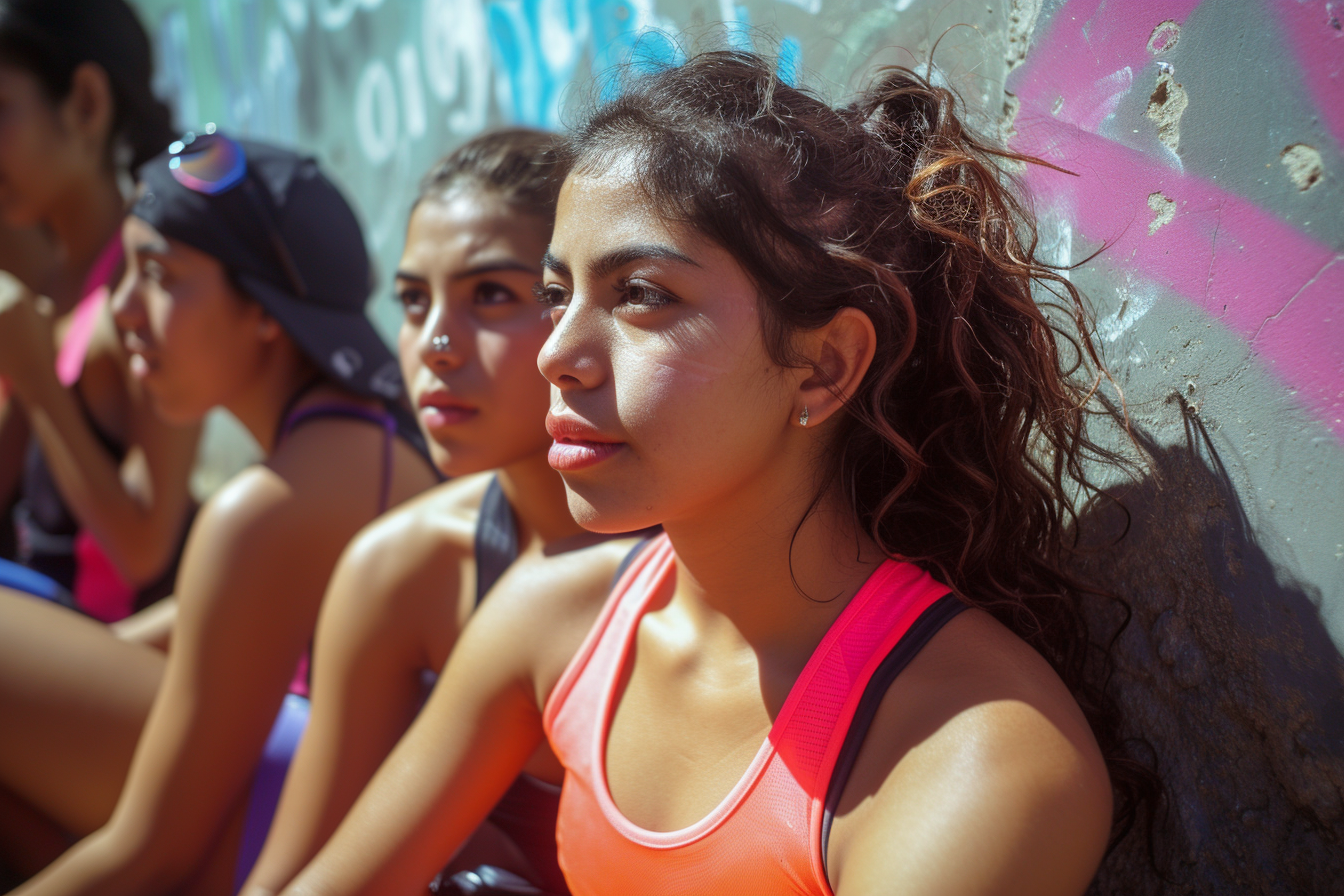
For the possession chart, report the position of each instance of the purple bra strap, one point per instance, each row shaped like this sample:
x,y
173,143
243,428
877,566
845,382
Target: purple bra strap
x,y
382,418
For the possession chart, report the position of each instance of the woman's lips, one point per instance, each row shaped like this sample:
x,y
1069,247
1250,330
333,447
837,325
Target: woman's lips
x,y
577,444
438,410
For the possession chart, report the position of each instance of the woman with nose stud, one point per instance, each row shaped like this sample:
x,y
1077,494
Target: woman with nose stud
x,y
407,585
247,276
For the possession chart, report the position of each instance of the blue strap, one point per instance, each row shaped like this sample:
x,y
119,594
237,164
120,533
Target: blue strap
x,y
21,578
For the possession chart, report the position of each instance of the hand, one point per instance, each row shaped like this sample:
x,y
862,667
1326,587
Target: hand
x,y
27,346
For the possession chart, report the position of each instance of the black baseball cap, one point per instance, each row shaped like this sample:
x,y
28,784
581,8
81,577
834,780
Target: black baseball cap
x,y
289,239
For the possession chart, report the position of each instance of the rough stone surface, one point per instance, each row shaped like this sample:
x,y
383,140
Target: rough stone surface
x,y
1165,108
1303,164
1164,210
1227,674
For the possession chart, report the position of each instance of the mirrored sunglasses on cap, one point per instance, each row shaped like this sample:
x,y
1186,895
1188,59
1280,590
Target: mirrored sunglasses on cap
x,y
211,163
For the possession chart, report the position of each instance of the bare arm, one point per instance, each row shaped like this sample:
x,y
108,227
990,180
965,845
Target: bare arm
x,y
252,576
978,777
475,734
134,508
392,611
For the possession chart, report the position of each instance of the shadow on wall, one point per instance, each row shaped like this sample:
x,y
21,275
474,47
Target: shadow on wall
x,y
1229,674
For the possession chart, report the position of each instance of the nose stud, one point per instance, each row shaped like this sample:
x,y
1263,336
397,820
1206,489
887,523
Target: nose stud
x,y
439,343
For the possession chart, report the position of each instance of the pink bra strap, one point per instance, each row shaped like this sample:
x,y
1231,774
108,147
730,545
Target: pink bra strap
x,y
84,319
75,347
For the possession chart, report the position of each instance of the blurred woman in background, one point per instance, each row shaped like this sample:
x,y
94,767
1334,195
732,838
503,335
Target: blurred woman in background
x,y
103,500
399,598
246,282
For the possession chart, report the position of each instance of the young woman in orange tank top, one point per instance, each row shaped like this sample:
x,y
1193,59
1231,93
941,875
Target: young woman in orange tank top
x,y
803,339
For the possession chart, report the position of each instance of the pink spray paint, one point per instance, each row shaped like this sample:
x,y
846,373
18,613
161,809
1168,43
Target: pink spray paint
x,y
1273,285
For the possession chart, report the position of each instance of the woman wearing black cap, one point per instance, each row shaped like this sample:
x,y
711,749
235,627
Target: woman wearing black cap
x,y
246,283
102,483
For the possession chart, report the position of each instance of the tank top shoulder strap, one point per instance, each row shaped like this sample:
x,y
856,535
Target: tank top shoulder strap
x,y
929,623
652,565
496,541
383,418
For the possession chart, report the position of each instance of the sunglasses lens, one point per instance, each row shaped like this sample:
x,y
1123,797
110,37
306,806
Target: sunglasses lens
x,y
209,164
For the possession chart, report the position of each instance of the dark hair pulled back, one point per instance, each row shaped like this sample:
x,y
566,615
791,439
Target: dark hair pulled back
x,y
52,38
523,167
963,448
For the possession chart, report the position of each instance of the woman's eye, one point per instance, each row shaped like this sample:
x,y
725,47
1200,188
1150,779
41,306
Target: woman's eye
x,y
554,297
414,302
153,270
494,294
551,294
642,296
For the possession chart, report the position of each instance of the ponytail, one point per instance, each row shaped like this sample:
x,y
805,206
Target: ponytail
x,y
964,446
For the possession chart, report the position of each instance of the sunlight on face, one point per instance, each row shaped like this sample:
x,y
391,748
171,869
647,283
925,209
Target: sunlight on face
x,y
665,402
194,341
467,275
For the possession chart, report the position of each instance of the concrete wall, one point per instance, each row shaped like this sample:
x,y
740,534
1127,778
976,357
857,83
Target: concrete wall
x,y
1204,145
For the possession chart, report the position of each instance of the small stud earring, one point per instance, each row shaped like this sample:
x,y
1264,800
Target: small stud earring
x,y
439,343
802,418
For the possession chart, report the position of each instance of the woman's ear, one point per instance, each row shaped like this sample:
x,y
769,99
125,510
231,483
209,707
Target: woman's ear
x,y
89,108
841,351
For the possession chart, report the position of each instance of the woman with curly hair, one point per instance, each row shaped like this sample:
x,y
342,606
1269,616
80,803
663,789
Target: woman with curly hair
x,y
803,339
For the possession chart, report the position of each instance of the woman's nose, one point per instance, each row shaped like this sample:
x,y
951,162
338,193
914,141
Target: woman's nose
x,y
442,346
571,357
127,304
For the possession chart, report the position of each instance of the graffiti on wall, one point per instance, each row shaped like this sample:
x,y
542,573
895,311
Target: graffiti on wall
x,y
400,82
1276,287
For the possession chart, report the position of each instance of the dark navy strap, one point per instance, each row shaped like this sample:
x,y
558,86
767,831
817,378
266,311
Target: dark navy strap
x,y
381,417
496,538
929,623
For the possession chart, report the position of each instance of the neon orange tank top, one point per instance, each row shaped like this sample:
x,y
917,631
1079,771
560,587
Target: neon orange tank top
x,y
766,836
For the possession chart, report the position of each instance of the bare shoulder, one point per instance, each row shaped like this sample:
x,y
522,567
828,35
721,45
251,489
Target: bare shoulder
x,y
436,526
411,567
334,462
254,500
253,540
981,764
544,605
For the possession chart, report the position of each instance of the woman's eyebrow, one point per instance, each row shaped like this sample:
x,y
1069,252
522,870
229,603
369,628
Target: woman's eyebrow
x,y
550,263
607,264
493,267
155,247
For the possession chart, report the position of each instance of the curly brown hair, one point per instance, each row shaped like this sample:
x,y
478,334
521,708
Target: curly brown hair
x,y
964,447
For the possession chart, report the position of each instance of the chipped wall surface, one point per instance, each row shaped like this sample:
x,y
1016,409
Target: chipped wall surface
x,y
1202,141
